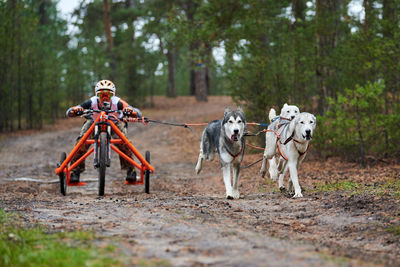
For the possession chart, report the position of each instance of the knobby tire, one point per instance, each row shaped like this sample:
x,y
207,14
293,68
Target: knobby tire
x,y
102,162
147,175
63,178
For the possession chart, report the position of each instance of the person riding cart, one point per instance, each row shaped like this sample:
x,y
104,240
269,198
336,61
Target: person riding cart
x,y
104,98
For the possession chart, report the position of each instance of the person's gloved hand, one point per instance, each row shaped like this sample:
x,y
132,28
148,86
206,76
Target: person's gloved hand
x,y
77,110
128,111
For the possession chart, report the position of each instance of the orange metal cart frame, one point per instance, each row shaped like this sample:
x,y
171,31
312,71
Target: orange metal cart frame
x,y
105,118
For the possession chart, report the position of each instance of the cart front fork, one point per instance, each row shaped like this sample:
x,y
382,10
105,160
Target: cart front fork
x,y
96,145
108,146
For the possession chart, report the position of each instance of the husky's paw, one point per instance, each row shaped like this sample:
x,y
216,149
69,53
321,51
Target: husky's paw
x,y
297,195
282,189
230,194
235,194
198,167
197,170
262,172
273,174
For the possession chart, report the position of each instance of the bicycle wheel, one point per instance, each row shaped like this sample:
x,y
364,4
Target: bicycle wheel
x,y
102,162
61,175
147,175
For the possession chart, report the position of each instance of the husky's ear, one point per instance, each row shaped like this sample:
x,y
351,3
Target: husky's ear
x,y
292,125
285,105
227,110
315,120
240,110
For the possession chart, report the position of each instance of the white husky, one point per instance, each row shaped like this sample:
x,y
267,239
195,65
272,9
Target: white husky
x,y
291,146
288,112
226,138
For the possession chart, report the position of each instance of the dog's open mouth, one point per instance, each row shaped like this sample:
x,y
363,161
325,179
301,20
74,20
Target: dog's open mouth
x,y
307,136
234,138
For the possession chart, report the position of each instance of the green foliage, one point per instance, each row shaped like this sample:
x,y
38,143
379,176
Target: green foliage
x,y
21,246
276,52
394,230
387,187
356,114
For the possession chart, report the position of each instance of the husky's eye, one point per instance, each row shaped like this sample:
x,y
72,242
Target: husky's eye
x,y
287,111
230,121
239,121
311,122
295,111
302,122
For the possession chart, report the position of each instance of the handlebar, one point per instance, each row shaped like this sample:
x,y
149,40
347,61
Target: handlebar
x,y
91,111
123,116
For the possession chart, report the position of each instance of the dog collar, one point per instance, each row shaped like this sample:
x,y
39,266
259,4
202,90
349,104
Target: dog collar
x,y
234,156
302,153
287,141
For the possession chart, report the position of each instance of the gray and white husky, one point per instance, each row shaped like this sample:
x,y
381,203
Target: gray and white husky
x,y
226,138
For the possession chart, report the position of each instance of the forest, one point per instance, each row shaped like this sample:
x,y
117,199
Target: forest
x,y
341,65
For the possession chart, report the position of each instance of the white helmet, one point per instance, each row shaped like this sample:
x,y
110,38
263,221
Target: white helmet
x,y
105,84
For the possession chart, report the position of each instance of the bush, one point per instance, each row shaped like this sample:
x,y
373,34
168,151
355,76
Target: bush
x,y
356,124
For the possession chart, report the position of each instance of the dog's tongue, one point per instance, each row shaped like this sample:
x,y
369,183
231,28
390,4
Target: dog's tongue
x,y
233,137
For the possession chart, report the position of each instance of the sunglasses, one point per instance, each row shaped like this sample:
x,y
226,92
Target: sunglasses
x,y
104,94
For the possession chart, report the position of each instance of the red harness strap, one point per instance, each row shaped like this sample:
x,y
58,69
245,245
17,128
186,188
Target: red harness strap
x,y
277,141
234,156
287,141
302,153
282,118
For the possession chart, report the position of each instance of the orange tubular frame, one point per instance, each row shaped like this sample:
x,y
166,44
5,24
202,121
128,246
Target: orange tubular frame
x,y
143,166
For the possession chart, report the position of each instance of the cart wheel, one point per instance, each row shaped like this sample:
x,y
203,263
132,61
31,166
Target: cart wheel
x,y
63,179
147,175
102,162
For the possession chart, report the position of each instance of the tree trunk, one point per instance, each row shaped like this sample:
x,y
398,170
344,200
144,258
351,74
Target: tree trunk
x,y
200,83
192,48
190,7
327,20
19,78
171,90
192,88
110,39
30,93
368,8
388,28
201,87
299,7
360,138
390,70
11,77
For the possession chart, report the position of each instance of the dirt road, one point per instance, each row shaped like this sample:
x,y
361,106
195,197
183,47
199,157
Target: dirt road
x,y
186,221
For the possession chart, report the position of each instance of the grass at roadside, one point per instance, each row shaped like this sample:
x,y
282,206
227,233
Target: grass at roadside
x,y
388,187
22,246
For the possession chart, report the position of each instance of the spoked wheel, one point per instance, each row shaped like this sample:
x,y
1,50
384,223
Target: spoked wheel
x,y
63,178
102,162
147,175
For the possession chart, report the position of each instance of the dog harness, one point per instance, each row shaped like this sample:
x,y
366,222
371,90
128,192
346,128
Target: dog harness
x,y
294,140
234,156
278,137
